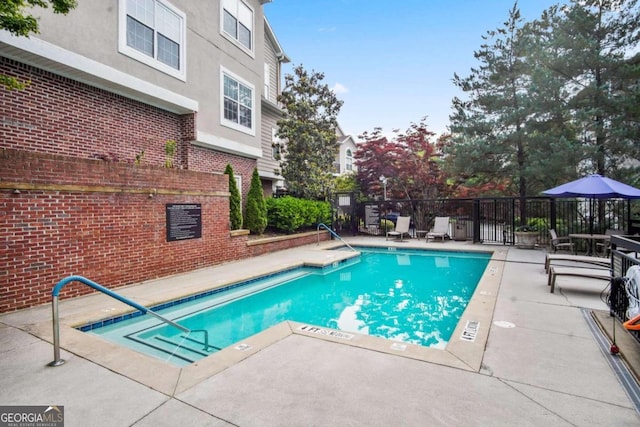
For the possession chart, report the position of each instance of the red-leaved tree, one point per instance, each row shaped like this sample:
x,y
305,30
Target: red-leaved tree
x,y
410,161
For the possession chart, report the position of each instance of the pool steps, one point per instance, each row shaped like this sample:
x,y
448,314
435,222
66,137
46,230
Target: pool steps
x,y
57,360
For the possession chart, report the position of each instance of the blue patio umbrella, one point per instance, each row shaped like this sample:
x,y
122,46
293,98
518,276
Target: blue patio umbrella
x,y
594,187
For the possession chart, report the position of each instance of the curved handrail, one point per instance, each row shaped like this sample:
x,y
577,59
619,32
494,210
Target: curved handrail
x,y
334,234
57,361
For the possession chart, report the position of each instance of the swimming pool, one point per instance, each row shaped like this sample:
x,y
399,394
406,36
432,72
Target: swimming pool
x,y
412,296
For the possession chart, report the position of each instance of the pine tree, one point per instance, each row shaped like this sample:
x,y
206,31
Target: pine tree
x,y
490,142
256,215
593,41
235,210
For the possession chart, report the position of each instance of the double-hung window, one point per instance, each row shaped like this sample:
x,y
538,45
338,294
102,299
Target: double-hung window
x,y
237,23
348,160
153,32
237,103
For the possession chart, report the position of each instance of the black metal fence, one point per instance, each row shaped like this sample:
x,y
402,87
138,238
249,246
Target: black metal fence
x,y
489,220
625,251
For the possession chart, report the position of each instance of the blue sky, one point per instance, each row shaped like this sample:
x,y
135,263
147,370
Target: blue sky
x,y
391,62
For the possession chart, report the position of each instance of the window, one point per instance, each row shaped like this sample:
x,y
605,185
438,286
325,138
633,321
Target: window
x,y
237,103
153,32
348,160
237,23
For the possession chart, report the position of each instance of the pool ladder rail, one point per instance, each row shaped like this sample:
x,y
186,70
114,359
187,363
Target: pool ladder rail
x,y
334,234
57,360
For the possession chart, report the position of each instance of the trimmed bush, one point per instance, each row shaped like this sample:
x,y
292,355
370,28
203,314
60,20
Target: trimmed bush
x,y
235,211
290,214
256,218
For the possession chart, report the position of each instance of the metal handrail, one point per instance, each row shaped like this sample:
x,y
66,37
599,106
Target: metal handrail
x,y
334,234
57,361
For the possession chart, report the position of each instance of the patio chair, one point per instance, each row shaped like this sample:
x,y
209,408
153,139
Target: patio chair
x,y
402,227
440,228
560,242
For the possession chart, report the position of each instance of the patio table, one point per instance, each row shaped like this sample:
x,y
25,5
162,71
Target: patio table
x,y
421,233
591,240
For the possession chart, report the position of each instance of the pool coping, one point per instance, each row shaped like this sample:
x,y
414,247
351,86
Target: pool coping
x,y
461,352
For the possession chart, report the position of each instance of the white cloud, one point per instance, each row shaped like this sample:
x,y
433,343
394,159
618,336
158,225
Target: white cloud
x,y
339,88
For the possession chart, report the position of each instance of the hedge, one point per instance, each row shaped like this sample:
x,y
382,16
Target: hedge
x,y
290,214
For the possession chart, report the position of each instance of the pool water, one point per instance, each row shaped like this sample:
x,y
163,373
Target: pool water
x,y
410,296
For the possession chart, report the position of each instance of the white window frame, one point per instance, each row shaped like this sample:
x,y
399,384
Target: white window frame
x,y
131,52
235,5
229,123
348,156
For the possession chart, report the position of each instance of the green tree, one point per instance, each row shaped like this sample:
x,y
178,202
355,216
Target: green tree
x,y
235,205
15,19
308,129
346,183
256,216
488,129
592,40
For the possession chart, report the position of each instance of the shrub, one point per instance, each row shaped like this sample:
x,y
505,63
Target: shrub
x,y
235,210
534,224
256,217
386,225
290,214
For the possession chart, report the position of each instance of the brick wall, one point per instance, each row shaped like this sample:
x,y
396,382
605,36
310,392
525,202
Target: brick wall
x,y
266,246
58,115
204,160
97,219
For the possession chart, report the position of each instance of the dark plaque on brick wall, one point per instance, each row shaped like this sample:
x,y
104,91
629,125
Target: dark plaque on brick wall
x,y
184,221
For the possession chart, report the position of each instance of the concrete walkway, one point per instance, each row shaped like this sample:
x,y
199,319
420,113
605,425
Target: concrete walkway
x,y
541,364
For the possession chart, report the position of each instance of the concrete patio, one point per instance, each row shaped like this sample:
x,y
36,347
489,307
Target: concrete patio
x,y
540,365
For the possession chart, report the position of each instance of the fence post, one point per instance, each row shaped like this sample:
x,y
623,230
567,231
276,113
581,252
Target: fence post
x,y
476,220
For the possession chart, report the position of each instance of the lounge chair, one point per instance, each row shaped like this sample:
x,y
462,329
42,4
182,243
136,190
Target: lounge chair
x,y
440,228
592,273
560,242
402,227
594,260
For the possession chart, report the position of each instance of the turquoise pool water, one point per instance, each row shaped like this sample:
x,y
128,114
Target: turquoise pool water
x,y
404,295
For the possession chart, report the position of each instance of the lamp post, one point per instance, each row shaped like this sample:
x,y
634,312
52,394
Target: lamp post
x,y
383,180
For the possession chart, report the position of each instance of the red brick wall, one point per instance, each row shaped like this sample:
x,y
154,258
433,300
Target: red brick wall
x,y
204,160
256,249
58,115
97,219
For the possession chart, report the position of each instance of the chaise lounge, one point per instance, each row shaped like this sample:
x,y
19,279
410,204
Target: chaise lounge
x,y
592,273
593,260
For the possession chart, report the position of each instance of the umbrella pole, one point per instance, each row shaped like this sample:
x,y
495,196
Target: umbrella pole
x,y
591,202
